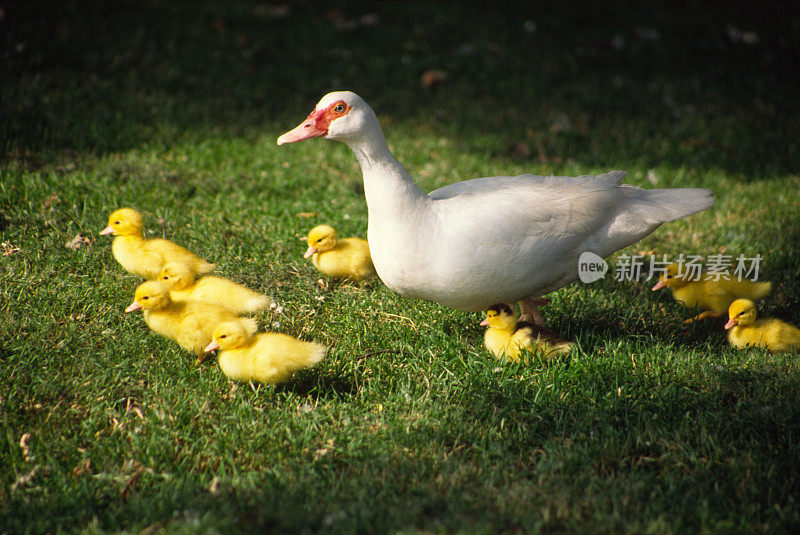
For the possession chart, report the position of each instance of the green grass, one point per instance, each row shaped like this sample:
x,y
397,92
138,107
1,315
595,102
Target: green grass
x,y
408,425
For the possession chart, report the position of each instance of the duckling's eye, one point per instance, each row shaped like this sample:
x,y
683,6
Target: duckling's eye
x,y
339,108
224,336
116,222
319,240
145,298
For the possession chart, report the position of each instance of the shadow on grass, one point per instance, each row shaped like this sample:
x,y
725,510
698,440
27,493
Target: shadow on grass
x,y
316,386
715,439
649,84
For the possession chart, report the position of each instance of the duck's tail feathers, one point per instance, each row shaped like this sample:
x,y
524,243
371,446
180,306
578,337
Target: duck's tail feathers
x,y
661,205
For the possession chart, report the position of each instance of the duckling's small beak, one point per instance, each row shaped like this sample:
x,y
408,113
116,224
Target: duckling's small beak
x,y
212,346
310,251
484,323
731,323
107,230
133,306
305,130
659,285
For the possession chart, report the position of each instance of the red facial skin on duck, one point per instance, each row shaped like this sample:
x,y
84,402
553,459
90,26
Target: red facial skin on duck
x,y
316,124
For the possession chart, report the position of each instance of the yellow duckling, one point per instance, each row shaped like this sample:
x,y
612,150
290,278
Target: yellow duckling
x,y
146,257
183,286
190,324
263,358
506,335
706,294
347,258
773,334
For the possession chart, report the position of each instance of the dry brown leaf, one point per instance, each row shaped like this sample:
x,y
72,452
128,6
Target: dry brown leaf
x,y
26,479
9,249
433,78
136,472
82,468
325,450
77,242
520,151
25,446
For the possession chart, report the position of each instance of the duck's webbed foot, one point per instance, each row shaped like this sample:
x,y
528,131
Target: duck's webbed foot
x,y
529,310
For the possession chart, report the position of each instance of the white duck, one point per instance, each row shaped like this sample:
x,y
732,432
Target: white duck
x,y
490,240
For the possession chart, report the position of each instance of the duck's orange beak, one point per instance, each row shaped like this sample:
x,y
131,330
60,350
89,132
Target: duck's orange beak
x,y
484,323
309,128
310,251
659,285
212,346
731,323
107,230
133,306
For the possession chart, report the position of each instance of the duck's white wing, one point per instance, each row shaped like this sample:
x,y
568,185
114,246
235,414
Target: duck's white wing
x,y
527,212
524,234
557,185
597,210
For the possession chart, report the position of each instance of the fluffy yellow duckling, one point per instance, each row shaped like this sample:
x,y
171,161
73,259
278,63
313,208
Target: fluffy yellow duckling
x,y
347,258
773,334
263,358
183,286
190,324
146,257
710,296
506,335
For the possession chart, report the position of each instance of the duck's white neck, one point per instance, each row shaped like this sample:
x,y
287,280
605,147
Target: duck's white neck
x,y
388,188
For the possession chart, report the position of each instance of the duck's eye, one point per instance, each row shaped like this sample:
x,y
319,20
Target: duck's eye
x,y
224,336
166,277
116,222
145,298
319,240
339,108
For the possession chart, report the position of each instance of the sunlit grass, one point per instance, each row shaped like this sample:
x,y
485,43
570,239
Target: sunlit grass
x,y
408,424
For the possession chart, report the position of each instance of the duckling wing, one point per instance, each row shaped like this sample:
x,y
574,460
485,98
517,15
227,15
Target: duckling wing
x,y
280,355
747,289
172,252
195,333
783,336
136,257
228,294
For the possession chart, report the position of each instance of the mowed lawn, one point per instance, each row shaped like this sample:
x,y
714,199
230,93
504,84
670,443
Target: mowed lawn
x,y
408,425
